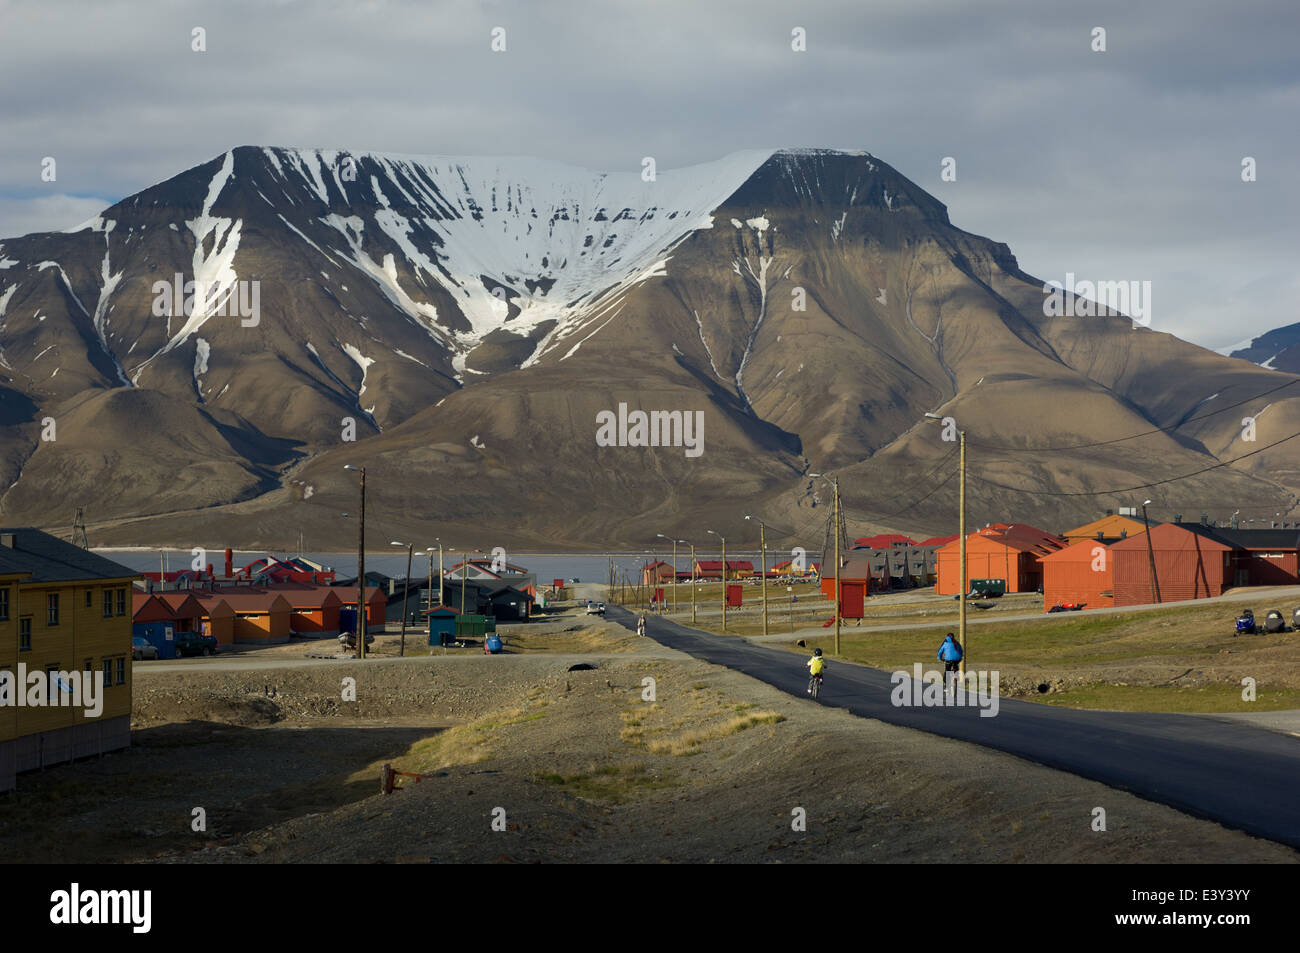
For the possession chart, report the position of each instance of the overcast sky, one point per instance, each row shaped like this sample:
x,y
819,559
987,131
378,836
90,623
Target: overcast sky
x,y
1116,165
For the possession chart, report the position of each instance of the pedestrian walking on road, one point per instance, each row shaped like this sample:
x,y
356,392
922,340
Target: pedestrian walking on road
x,y
640,625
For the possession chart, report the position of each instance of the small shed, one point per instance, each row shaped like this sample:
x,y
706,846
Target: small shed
x,y
442,625
261,618
218,619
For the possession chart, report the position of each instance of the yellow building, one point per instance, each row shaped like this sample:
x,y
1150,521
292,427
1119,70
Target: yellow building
x,y
63,609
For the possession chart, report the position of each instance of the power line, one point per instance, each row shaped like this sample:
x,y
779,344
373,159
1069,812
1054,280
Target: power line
x,y
1145,433
1140,486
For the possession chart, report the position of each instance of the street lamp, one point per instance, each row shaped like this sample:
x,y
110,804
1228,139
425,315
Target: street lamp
x,y
692,545
406,592
1151,556
835,482
361,565
724,576
675,542
961,530
762,545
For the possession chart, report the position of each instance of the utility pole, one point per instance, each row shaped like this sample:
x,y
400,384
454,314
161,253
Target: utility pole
x,y
1151,555
692,583
464,580
674,577
965,583
724,577
428,592
675,542
839,598
440,602
762,579
406,592
961,532
79,529
361,566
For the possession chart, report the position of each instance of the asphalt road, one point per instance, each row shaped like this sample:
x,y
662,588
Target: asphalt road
x,y
1242,776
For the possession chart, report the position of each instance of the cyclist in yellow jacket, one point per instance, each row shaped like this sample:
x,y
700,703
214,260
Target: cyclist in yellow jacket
x,y
815,666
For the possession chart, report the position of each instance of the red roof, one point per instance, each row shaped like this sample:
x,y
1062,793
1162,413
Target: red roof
x,y
733,565
937,540
883,541
1019,536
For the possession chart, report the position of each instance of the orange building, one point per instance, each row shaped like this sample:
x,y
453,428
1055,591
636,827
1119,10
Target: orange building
x,y
1007,551
1109,527
314,610
1080,573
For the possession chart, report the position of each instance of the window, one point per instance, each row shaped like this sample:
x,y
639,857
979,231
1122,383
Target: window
x,y
108,672
121,670
90,664
90,598
4,605
25,634
52,609
121,602
108,603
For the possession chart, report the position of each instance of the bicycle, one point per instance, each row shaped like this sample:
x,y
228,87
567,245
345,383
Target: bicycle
x,y
816,685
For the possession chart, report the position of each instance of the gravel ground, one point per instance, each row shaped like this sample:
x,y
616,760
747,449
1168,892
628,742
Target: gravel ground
x,y
576,766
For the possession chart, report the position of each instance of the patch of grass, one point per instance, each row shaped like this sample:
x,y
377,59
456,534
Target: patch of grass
x,y
1170,698
611,782
594,638
463,744
689,742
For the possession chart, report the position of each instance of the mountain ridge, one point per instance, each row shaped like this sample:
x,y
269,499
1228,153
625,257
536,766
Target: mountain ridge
x,y
420,300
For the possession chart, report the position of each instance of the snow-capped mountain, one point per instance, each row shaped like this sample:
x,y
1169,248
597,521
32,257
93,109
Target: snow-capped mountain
x,y
1278,350
204,356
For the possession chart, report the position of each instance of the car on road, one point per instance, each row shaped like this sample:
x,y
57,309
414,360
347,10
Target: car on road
x,y
595,608
194,643
142,649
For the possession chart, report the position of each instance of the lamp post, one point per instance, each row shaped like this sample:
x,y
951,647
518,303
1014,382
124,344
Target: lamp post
x,y
440,602
464,580
724,577
692,545
961,530
361,566
675,542
406,591
762,579
1151,555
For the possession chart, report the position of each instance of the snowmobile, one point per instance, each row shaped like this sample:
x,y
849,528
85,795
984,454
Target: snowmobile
x,y
1274,623
1246,623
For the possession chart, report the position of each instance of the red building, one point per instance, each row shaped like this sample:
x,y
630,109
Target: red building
x,y
1190,563
1080,573
711,569
657,573
855,585
1007,551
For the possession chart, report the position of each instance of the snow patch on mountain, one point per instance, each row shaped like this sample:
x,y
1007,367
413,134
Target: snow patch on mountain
x,y
201,352
548,235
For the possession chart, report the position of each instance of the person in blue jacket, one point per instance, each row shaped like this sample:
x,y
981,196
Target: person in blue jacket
x,y
950,655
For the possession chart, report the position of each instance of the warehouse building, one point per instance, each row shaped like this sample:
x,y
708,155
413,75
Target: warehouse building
x,y
1185,561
